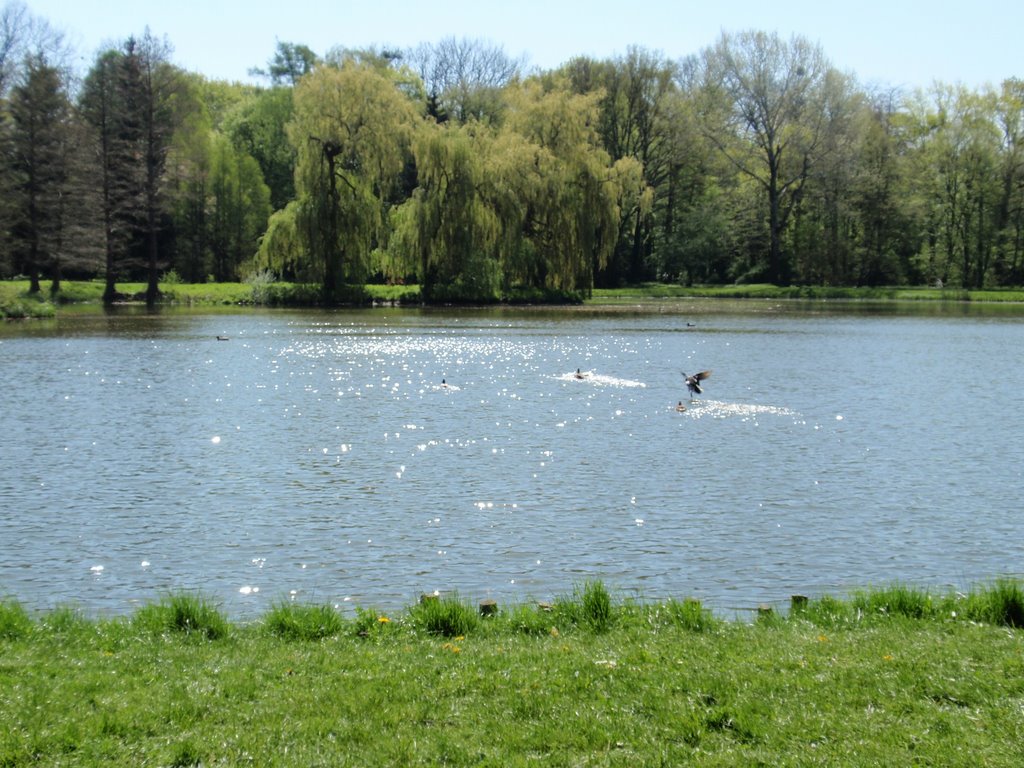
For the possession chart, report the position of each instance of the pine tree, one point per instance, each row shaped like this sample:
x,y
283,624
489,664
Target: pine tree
x,y
39,136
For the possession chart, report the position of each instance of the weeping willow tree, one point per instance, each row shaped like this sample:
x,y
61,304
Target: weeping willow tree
x,y
535,203
448,231
351,130
574,193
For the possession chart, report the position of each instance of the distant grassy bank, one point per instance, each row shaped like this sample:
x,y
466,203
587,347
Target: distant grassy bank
x,y
765,291
16,302
895,676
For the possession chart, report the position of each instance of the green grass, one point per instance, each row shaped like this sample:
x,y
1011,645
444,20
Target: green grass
x,y
766,291
14,621
303,622
893,676
16,302
590,606
446,616
183,614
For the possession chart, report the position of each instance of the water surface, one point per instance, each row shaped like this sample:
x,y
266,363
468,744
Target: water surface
x,y
318,456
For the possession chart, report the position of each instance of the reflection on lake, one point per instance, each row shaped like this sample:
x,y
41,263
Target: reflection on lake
x,y
319,455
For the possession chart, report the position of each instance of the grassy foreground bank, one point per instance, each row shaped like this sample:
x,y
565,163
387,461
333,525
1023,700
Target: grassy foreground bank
x,y
890,677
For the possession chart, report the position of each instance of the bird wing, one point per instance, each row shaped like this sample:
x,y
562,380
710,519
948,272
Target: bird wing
x,y
702,375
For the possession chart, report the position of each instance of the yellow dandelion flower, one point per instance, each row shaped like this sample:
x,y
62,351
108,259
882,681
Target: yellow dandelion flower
x,y
822,639
887,657
384,620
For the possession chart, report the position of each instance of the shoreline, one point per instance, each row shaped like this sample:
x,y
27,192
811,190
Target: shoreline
x,y
16,303
998,601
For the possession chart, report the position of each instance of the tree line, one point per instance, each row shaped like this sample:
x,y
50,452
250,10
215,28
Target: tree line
x,y
455,167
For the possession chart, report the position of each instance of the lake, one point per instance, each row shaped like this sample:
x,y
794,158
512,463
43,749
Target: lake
x,y
365,457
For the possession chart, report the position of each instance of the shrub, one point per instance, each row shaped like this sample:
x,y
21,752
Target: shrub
x,y
18,309
187,614
303,622
292,295
446,616
260,283
523,295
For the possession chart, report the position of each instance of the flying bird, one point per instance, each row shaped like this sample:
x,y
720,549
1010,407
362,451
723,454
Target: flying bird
x,y
693,382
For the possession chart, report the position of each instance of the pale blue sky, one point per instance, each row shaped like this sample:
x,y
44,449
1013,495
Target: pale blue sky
x,y
907,43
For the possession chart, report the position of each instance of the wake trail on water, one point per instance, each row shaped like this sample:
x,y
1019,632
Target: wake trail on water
x,y
599,379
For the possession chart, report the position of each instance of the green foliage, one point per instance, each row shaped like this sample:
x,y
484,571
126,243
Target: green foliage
x,y
260,282
525,295
532,619
401,294
65,621
206,294
303,622
828,611
21,309
257,126
238,208
79,292
293,295
38,160
690,615
186,755
590,606
444,615
369,623
896,600
351,131
597,605
1001,603
448,166
15,623
185,614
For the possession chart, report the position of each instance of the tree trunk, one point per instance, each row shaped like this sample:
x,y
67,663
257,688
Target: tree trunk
x,y
153,287
774,226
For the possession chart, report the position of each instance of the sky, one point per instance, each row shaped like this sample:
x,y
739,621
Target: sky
x,y
896,43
